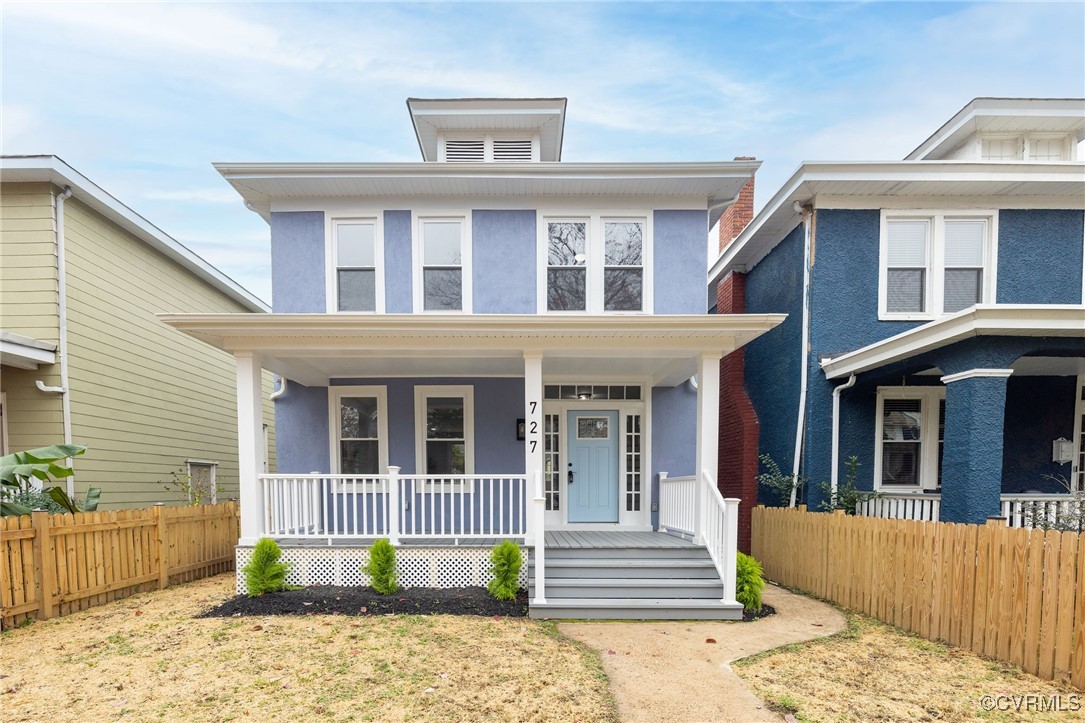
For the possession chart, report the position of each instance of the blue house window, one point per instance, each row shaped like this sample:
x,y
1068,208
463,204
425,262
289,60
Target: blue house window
x,y
910,430
355,245
445,283
566,271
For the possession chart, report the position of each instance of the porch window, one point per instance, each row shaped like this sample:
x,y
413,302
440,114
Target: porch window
x,y
443,265
445,435
360,428
910,426
935,264
356,265
566,271
552,460
633,457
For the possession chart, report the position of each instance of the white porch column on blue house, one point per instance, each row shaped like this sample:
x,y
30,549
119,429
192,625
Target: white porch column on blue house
x,y
250,444
535,537
708,430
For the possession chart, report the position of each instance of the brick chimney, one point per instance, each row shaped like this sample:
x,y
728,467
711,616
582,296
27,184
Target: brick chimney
x,y
739,214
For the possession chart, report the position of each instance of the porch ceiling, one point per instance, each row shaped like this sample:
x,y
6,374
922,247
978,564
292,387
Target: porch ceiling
x,y
313,348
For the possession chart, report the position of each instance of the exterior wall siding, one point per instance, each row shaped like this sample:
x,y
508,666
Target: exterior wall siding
x,y
1038,410
298,262
398,254
1040,256
680,256
674,435
503,257
144,397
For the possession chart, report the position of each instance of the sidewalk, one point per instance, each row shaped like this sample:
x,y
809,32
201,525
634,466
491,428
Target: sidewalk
x,y
667,670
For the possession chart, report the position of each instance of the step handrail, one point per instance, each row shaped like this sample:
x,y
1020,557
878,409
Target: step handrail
x,y
718,532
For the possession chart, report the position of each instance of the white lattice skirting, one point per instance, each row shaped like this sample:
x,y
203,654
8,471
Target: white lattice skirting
x,y
417,567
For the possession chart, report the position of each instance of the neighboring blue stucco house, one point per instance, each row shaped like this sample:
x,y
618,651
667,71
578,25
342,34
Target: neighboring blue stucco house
x,y
494,343
936,324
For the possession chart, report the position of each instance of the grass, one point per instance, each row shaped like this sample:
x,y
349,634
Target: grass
x,y
163,664
875,672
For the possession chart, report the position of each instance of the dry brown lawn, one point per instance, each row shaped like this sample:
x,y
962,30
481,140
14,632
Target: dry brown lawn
x,y
874,672
147,658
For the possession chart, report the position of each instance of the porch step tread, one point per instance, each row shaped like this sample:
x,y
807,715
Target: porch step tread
x,y
636,608
625,582
630,562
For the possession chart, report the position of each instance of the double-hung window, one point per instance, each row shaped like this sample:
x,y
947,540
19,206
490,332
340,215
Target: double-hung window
x,y
359,418
910,428
934,264
355,248
595,264
445,430
443,279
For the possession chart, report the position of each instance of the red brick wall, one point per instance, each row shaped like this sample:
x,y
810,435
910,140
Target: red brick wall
x,y
739,428
739,214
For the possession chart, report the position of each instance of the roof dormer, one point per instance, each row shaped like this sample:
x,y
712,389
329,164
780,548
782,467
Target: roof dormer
x,y
489,130
1036,130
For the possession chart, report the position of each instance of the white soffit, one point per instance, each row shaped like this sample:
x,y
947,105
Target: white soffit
x,y
1049,366
545,116
23,352
980,320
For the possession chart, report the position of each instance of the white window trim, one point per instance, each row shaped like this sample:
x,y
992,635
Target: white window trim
x,y
335,395
466,267
331,254
422,392
935,275
488,143
214,477
595,249
928,472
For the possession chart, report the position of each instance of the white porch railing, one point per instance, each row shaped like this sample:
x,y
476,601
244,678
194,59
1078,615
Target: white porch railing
x,y
694,506
316,506
1020,510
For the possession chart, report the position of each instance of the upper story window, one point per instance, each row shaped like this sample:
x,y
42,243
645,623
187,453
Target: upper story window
x,y
442,279
356,258
1030,147
935,263
595,264
488,148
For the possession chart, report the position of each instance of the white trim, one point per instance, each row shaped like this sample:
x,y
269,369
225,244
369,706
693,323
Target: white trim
x,y
934,292
422,392
417,262
5,412
331,256
24,353
825,201
1076,470
1063,320
930,398
973,373
335,395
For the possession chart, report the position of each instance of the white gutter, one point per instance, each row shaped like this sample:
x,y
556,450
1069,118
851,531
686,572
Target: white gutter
x,y
276,393
800,422
835,473
62,347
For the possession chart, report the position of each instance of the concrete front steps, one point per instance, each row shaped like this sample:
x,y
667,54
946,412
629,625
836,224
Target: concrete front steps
x,y
631,583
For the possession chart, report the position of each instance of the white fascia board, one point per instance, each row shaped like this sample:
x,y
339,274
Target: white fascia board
x,y
28,354
562,169
753,244
53,170
981,320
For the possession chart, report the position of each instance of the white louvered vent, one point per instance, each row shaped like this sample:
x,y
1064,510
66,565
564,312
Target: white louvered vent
x,y
465,151
512,150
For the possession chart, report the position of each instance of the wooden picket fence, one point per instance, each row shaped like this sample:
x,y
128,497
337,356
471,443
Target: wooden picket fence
x,y
1014,594
54,565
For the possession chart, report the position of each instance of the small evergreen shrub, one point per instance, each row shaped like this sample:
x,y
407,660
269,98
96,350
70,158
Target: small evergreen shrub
x,y
381,567
505,563
750,581
265,572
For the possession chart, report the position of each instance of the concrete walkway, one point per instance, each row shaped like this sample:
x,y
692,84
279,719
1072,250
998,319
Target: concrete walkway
x,y
662,671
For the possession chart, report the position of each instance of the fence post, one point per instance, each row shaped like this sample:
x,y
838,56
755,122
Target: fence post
x,y
395,505
46,567
162,558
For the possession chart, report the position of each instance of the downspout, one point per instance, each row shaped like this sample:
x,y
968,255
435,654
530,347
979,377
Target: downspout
x,y
62,314
835,473
800,423
276,393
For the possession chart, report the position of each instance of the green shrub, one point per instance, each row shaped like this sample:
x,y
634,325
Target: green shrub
x,y
505,563
381,567
265,572
750,581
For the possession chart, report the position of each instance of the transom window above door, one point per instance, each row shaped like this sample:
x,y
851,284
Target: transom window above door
x,y
595,264
442,277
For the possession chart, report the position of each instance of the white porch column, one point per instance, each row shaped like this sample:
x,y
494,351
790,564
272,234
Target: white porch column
x,y
533,467
708,431
250,445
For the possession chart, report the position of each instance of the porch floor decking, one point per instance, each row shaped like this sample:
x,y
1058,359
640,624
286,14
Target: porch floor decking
x,y
595,539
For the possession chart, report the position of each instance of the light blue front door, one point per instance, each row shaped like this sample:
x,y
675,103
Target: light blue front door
x,y
592,472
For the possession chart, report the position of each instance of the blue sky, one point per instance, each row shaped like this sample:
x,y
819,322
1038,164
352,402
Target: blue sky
x,y
142,98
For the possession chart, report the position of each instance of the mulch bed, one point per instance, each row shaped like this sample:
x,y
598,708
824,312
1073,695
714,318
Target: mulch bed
x,y
766,610
332,600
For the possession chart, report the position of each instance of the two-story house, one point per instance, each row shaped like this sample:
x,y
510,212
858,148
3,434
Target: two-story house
x,y
936,324
493,343
83,358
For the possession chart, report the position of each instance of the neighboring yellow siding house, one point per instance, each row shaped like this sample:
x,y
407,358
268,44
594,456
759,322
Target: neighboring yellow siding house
x,y
144,398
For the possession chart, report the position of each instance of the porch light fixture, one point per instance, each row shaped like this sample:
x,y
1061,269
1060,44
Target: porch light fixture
x,y
1062,451
521,430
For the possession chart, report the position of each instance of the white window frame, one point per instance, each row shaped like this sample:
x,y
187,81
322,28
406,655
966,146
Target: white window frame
x,y
466,267
331,254
930,399
595,250
423,392
1024,141
214,477
488,143
335,396
934,290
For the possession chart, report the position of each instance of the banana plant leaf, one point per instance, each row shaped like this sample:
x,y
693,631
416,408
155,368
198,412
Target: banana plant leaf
x,y
61,498
13,509
94,494
43,463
